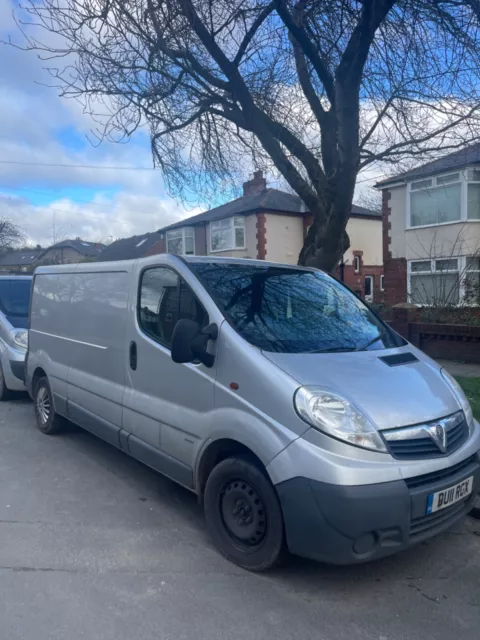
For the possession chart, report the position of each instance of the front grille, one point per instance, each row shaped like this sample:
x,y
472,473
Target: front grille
x,y
442,474
431,524
420,448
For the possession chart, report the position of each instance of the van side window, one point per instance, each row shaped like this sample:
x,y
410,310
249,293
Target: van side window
x,y
166,298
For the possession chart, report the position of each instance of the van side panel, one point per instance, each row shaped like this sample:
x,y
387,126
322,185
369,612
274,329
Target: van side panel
x,y
49,347
96,376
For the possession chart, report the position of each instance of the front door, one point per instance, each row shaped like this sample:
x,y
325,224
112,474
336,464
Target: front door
x,y
166,405
369,288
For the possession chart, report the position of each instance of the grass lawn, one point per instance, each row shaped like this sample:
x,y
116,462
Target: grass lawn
x,y
471,386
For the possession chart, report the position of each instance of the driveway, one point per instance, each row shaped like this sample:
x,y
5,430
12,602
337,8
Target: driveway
x,y
95,546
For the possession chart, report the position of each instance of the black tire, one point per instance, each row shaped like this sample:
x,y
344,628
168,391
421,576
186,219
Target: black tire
x,y
5,393
475,512
244,515
48,421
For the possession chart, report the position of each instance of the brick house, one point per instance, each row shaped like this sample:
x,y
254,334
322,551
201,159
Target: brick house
x,y
20,260
65,252
134,247
70,251
431,231
270,224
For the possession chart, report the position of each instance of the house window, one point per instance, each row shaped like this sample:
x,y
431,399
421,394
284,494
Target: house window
x,y
356,264
473,194
382,283
181,241
439,200
228,234
473,203
434,282
472,282
436,201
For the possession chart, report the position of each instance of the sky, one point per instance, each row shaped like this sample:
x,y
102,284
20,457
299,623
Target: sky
x,y
94,201
58,202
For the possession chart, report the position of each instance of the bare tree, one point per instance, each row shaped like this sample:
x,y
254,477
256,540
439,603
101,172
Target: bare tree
x,y
370,199
315,89
11,235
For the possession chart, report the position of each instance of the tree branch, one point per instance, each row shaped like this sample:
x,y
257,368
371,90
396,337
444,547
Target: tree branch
x,y
300,35
257,23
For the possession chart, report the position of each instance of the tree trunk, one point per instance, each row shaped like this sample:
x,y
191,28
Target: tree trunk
x,y
326,241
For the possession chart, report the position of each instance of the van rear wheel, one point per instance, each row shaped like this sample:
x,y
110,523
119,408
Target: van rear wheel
x,y
48,421
244,515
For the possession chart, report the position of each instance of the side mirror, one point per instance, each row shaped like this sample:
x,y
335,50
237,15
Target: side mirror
x,y
189,342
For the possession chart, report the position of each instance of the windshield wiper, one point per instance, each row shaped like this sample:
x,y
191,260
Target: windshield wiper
x,y
372,341
332,350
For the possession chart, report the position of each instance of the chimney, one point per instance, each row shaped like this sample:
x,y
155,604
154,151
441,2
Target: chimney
x,y
256,185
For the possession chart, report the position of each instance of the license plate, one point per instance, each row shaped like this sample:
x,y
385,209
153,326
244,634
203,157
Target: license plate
x,y
447,497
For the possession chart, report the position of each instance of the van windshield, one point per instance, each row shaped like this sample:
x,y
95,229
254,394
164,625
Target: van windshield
x,y
293,311
15,300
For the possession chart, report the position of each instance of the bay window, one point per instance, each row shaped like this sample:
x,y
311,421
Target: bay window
x,y
181,241
444,281
435,201
229,234
472,281
453,197
434,282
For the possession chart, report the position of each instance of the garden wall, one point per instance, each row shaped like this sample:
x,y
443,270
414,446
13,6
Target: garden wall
x,y
438,340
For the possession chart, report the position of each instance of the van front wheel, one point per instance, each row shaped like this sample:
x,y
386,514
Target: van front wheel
x,y
48,421
475,512
244,515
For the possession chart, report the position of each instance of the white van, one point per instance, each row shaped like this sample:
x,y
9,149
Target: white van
x,y
300,418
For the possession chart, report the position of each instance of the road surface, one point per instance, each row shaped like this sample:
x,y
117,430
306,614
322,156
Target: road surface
x,y
95,546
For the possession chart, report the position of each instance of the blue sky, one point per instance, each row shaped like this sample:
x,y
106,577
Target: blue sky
x,y
37,127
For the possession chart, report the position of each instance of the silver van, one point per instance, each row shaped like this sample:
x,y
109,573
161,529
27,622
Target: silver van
x,y
14,304
300,419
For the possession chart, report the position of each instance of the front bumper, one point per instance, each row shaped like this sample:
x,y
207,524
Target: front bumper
x,y
13,366
342,524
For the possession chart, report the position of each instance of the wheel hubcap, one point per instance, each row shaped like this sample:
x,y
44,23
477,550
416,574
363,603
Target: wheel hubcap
x,y
43,405
243,513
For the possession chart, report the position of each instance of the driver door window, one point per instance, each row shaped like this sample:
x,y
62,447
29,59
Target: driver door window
x,y
166,298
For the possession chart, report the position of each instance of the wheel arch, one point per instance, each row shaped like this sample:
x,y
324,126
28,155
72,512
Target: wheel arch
x,y
216,451
37,374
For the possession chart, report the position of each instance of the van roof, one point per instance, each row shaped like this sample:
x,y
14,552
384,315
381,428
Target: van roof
x,y
244,261
126,265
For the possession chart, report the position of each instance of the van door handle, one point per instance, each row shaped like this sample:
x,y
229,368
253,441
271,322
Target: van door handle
x,y
133,355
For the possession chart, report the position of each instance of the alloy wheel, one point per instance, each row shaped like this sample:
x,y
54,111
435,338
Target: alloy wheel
x,y
43,405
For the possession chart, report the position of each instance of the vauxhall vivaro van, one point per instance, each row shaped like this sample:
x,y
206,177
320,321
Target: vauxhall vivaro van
x,y
300,419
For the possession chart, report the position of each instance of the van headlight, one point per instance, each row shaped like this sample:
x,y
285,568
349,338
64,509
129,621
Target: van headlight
x,y
337,417
20,337
459,394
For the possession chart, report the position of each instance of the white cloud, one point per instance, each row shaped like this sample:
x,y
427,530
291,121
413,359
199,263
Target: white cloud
x,y
36,127
123,215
